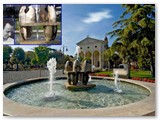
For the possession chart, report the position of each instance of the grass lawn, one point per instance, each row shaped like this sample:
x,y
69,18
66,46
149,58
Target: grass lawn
x,y
134,73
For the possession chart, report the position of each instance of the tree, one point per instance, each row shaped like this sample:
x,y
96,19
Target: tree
x,y
34,61
107,56
11,11
18,56
29,55
42,53
60,57
143,17
7,50
135,30
111,57
122,47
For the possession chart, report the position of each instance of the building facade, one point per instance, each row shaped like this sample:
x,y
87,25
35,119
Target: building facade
x,y
92,49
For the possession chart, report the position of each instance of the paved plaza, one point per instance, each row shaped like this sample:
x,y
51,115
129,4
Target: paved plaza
x,y
15,76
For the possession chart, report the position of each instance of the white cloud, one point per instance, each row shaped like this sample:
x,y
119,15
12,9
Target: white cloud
x,y
97,16
79,28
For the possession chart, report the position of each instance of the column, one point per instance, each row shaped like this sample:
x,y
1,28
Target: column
x,y
92,59
100,60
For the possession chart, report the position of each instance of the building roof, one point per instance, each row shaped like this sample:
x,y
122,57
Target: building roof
x,y
89,40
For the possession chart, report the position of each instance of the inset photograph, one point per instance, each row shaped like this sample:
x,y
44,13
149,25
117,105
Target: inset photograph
x,y
8,31
36,23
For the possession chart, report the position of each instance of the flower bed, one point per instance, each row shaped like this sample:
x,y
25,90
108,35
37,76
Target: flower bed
x,y
144,79
102,75
134,78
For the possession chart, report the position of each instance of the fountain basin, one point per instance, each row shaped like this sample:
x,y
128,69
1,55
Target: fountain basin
x,y
132,109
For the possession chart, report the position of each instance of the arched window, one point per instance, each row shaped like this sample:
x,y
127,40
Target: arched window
x,y
88,55
96,62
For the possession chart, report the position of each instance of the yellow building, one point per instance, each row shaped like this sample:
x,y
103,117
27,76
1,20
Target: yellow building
x,y
91,48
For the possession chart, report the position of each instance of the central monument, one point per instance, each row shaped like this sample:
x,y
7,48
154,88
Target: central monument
x,y
77,74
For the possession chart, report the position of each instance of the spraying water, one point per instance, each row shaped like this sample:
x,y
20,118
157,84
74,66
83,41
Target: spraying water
x,y
52,13
90,78
51,65
77,51
116,82
37,18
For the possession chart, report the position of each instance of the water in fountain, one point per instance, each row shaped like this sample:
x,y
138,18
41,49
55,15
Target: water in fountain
x,y
99,97
51,65
117,83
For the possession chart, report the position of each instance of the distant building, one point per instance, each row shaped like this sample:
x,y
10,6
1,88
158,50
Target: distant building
x,y
92,49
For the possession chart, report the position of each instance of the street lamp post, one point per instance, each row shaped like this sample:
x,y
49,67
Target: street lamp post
x,y
64,48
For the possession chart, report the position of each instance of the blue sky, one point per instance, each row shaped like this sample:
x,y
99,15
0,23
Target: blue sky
x,y
80,20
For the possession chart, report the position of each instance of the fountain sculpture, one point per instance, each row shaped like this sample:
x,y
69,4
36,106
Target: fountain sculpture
x,y
77,75
35,16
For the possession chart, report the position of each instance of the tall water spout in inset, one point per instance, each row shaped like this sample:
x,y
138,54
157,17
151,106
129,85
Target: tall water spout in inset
x,y
37,18
116,82
51,65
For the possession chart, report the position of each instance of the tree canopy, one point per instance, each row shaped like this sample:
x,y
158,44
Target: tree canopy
x,y
134,32
42,53
18,54
7,50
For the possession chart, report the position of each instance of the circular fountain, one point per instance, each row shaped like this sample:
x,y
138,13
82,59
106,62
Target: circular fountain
x,y
43,97
103,95
29,98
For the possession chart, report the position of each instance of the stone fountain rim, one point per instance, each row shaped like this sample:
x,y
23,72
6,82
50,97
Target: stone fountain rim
x,y
139,108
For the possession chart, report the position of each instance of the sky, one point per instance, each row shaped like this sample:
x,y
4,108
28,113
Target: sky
x,y
82,20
